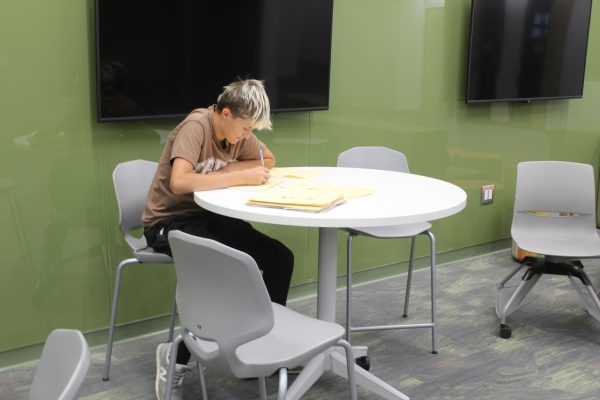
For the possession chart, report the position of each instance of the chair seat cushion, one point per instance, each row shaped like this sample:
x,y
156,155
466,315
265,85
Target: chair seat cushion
x,y
294,339
566,247
149,256
569,237
394,231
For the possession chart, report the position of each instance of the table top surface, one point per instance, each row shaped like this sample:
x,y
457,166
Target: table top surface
x,y
399,198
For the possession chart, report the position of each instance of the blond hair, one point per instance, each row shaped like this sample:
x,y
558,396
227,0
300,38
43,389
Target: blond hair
x,y
247,99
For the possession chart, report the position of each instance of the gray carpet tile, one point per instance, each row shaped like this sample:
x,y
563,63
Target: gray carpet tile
x,y
554,352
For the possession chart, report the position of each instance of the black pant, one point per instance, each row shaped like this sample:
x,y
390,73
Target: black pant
x,y
273,258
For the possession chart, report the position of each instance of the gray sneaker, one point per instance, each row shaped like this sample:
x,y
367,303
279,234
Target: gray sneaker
x,y
162,365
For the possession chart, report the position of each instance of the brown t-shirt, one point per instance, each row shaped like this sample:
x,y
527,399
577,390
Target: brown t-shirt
x,y
193,140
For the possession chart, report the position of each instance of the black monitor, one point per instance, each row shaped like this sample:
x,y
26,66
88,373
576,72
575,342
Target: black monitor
x,y
523,50
163,58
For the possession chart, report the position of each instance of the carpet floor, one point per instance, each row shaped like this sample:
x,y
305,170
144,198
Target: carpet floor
x,y
554,351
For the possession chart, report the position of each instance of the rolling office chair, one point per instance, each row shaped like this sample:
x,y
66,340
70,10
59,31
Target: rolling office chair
x,y
64,363
132,181
386,159
555,217
230,325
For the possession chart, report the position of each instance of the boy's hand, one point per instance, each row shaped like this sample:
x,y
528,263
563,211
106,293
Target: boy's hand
x,y
255,175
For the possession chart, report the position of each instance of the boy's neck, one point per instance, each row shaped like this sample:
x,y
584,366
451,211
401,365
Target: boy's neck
x,y
219,135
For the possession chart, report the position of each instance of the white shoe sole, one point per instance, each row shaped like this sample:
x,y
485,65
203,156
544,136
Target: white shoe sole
x,y
157,381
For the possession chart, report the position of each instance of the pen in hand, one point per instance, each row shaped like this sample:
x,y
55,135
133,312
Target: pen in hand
x,y
262,157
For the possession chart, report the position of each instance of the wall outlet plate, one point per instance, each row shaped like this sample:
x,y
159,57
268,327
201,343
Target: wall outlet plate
x,y
487,194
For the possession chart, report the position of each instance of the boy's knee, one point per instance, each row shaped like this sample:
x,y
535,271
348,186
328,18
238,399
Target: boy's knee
x,y
289,257
285,257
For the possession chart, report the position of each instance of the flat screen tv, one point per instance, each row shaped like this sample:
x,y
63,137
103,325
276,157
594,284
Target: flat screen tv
x,y
163,58
523,50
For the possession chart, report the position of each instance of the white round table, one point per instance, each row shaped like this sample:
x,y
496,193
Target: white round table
x,y
399,198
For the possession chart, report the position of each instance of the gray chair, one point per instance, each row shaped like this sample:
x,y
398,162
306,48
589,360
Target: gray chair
x,y
132,181
230,325
384,158
63,365
554,217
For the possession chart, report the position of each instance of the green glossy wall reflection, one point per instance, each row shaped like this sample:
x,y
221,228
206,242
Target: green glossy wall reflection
x,y
397,80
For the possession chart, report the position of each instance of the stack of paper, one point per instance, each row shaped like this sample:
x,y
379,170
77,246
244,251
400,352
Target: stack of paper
x,y
310,201
308,196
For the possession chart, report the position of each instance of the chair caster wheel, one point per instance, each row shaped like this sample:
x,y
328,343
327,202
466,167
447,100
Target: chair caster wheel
x,y
505,331
364,362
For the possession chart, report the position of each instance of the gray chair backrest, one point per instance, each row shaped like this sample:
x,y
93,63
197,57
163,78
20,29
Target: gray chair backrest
x,y
373,157
132,180
64,363
221,296
557,186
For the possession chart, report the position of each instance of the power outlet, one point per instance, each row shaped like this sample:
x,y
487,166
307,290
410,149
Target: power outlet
x,y
487,194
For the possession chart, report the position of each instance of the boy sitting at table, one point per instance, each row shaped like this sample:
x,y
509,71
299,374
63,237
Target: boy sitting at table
x,y
214,148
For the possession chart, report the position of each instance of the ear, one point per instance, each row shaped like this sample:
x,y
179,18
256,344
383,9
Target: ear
x,y
226,113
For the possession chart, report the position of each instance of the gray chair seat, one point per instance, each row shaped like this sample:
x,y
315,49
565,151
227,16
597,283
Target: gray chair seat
x,y
149,256
562,237
285,345
390,232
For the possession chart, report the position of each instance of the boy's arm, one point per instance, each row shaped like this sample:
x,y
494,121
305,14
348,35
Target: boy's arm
x,y
185,180
268,157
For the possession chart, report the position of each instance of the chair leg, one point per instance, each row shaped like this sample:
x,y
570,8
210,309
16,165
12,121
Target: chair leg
x,y
173,318
283,383
262,388
350,365
432,325
593,309
113,314
433,292
508,301
171,369
202,380
589,296
413,243
349,286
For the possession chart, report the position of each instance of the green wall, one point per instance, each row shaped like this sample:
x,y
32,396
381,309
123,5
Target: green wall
x,y
397,79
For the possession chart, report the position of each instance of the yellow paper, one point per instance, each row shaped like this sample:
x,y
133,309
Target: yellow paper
x,y
272,182
308,196
312,201
297,197
295,173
